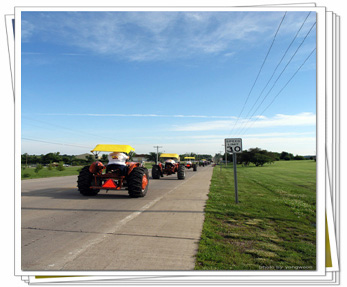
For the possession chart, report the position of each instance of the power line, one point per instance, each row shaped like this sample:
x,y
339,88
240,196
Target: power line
x,y
249,119
35,140
284,86
261,68
285,53
65,128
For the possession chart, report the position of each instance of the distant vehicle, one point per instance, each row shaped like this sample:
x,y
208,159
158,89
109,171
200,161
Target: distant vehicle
x,y
190,163
93,178
202,162
167,168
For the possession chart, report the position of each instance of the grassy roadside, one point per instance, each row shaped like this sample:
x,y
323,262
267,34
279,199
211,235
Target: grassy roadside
x,y
272,227
29,173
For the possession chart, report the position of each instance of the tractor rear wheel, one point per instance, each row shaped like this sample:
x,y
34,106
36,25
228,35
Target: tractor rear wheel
x,y
181,174
195,167
155,172
84,182
138,181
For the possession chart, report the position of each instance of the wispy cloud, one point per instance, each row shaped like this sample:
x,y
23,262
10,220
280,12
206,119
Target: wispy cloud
x,y
135,115
302,119
144,36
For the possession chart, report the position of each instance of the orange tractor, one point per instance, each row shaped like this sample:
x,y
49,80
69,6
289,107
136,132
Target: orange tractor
x,y
95,177
168,166
190,163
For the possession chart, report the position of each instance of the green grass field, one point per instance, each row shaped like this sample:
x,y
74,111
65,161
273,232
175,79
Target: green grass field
x,y
272,228
29,173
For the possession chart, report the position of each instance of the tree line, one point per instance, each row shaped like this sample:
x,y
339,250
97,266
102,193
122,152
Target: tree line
x,y
52,157
152,156
259,157
56,157
256,156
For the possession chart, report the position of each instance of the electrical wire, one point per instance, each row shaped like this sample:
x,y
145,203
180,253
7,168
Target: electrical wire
x,y
68,129
282,88
261,68
285,53
42,141
249,119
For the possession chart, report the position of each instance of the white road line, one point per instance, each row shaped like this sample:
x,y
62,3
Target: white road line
x,y
71,255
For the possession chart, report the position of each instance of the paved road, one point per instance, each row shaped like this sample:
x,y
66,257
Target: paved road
x,y
63,230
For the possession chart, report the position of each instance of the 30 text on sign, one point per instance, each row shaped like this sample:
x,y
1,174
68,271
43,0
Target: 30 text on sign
x,y
233,145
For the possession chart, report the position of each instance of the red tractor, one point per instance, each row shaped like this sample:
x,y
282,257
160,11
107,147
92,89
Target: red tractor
x,y
168,166
190,163
95,177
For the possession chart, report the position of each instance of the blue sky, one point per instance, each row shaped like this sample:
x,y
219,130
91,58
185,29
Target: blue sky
x,y
181,80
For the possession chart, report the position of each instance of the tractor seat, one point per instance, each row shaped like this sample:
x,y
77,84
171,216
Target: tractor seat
x,y
117,169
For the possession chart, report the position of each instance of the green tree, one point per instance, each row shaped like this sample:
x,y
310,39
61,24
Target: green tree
x,y
104,158
24,159
152,156
131,155
60,166
38,168
50,166
260,159
245,158
299,157
89,159
286,156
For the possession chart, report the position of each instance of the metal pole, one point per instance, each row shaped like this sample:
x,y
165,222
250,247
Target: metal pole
x,y
226,154
235,178
219,159
157,152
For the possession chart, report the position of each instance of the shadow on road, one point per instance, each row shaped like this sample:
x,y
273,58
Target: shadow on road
x,y
166,178
109,210
68,193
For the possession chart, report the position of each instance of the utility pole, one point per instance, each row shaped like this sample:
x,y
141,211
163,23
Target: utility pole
x,y
220,164
157,147
226,158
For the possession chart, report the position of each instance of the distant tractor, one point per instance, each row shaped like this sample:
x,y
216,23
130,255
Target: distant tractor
x,y
96,176
190,163
202,162
169,165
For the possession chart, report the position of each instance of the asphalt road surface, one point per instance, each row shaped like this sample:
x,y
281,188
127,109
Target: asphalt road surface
x,y
63,230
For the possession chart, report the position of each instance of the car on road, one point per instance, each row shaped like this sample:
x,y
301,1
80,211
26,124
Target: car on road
x,y
169,164
94,177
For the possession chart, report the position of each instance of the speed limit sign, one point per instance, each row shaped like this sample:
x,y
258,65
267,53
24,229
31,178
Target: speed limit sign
x,y
233,145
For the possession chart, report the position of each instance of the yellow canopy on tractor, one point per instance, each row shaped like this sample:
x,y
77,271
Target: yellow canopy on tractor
x,y
113,148
170,155
189,157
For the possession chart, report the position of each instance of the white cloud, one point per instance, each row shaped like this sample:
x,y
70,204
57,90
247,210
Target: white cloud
x,y
301,145
143,36
138,115
302,119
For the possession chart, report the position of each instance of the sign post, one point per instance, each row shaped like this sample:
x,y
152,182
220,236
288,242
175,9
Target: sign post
x,y
234,146
235,179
